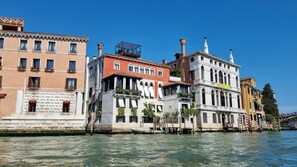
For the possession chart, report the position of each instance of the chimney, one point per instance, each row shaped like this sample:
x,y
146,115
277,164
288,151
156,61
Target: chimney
x,y
164,61
183,46
100,47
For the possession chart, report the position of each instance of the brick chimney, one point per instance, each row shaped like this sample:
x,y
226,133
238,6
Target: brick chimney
x,y
164,61
183,47
100,47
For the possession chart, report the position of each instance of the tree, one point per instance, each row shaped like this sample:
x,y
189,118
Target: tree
x,y
269,102
270,118
148,110
191,112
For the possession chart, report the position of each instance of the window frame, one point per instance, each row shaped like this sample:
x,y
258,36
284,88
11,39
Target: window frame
x,y
130,68
2,47
160,70
66,105
34,46
70,70
76,48
152,71
32,83
116,65
26,46
46,65
67,84
55,46
34,103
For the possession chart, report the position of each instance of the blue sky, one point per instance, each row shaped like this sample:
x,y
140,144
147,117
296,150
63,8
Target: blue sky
x,y
262,34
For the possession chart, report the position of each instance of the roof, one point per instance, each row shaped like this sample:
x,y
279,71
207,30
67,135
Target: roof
x,y
43,35
118,56
123,74
214,57
176,83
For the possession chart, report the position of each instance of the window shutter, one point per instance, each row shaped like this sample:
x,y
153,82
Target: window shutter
x,y
66,83
38,82
30,82
0,81
75,83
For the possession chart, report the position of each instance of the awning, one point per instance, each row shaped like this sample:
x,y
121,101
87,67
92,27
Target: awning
x,y
140,88
146,92
121,102
134,104
160,93
257,103
160,108
151,89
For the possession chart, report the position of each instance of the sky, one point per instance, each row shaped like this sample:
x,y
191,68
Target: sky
x,y
261,33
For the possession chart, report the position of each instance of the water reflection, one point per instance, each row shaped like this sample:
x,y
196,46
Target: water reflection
x,y
201,149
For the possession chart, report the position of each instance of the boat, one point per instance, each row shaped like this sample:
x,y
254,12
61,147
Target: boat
x,y
146,131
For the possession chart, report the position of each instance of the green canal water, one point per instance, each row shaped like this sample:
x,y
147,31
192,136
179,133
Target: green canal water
x,y
200,149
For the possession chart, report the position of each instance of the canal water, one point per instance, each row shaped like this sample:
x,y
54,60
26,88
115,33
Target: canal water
x,y
200,149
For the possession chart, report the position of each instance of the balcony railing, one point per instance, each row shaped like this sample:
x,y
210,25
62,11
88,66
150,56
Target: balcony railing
x,y
49,70
128,91
20,68
36,69
185,95
71,71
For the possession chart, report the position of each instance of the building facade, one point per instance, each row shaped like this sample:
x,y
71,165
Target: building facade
x,y
42,78
216,88
252,103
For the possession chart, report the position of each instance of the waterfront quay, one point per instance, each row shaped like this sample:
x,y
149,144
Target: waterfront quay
x,y
269,148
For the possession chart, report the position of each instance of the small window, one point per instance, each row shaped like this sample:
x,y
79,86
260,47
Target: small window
x,y
203,97
66,106
192,75
23,63
32,106
37,46
228,67
0,81
147,71
141,70
232,119
36,64
214,118
1,43
73,48
174,66
202,72
90,92
34,82
24,44
215,63
210,61
49,65
91,71
192,59
204,117
136,69
220,64
236,69
160,73
152,71
72,66
116,65
70,83
202,58
130,67
51,46
0,63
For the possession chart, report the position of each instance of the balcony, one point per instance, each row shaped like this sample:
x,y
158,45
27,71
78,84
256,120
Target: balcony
x,y
127,92
49,70
185,95
71,71
35,69
20,68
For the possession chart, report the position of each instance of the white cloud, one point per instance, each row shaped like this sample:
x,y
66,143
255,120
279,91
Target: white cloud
x,y
287,109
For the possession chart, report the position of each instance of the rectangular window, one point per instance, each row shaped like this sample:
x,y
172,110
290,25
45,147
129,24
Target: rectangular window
x,y
91,71
0,81
130,68
1,43
136,69
23,64
214,118
152,71
23,45
147,71
116,66
37,46
49,65
72,66
232,119
51,46
36,64
90,92
204,117
219,118
0,63
66,106
160,73
141,70
34,82
192,75
32,106
70,83
192,59
73,48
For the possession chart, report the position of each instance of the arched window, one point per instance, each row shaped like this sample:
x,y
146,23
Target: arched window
x,y
216,76
230,99
238,101
226,97
236,81
217,98
116,65
160,73
212,98
211,75
229,79
222,98
130,67
141,70
202,72
221,77
136,69
203,96
225,78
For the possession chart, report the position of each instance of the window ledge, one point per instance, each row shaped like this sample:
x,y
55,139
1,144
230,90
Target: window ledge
x,y
49,70
70,89
65,113
31,113
51,52
33,88
35,69
21,69
37,51
72,53
71,71
22,50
